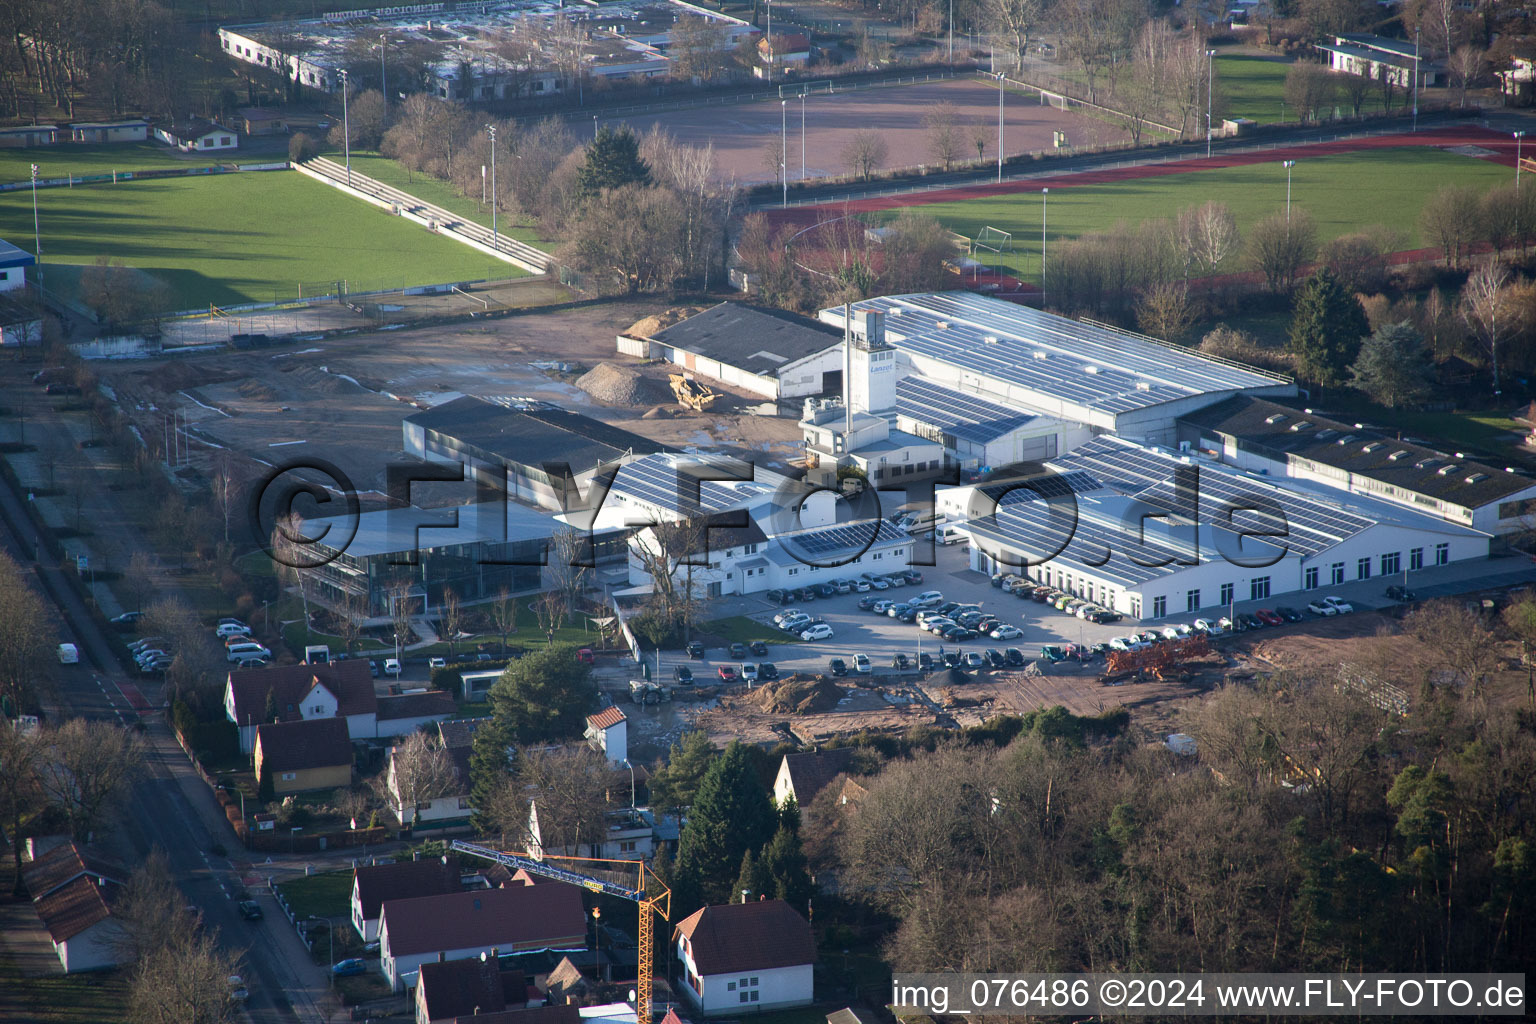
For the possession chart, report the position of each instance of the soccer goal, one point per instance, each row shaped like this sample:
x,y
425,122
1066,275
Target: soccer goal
x,y
994,240
794,90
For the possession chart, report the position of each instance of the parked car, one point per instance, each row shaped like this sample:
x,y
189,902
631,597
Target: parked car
x,y
683,674
1339,605
1250,620
880,583
820,631
738,651
767,671
727,673
1013,657
1269,617
951,659
226,630
758,648
995,658
799,624
237,991
1394,593
973,661
749,671
1289,614
352,965
899,609
437,663
695,649
1007,632
1052,653
838,667
881,606
1320,607
126,619
787,613
861,664
1209,628
776,596
250,910
925,662
860,586
900,662
373,667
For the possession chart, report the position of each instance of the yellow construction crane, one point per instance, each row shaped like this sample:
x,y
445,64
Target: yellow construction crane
x,y
659,902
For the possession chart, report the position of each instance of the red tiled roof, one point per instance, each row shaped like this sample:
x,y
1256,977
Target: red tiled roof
x,y
740,937
65,863
606,718
563,1014
71,909
513,918
297,746
348,680
459,988
416,705
408,879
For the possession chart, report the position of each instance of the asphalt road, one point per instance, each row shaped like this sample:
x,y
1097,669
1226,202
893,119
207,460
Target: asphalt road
x,y
170,807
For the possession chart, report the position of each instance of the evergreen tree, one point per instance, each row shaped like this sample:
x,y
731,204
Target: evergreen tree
x,y
490,764
544,696
1394,367
731,815
784,861
613,160
753,879
673,786
789,816
1326,327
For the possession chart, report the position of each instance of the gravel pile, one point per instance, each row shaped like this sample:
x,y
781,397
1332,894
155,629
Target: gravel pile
x,y
618,385
797,695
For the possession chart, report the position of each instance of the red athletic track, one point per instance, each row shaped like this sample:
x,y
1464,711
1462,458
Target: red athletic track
x,y
1502,146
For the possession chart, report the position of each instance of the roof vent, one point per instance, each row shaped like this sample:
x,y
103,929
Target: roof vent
x,y
942,325
1425,463
1090,369
990,339
1399,454
1326,433
1143,385
1447,470
1371,447
1345,439
1302,425
1039,354
1477,478
1278,417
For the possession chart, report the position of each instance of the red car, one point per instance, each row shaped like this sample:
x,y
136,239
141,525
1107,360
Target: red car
x,y
727,674
1269,618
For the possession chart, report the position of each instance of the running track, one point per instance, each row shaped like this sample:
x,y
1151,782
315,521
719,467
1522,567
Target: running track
x,y
1501,145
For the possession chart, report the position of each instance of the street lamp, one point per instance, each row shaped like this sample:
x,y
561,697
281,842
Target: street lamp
x,y
346,127
1044,192
1000,75
631,768
37,235
1210,87
802,134
597,937
951,31
784,146
383,74
495,236
1415,79
1288,164
1518,136
594,127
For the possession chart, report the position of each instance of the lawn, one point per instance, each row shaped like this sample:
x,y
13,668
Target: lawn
x,y
62,998
435,190
1344,192
235,238
738,629
323,895
69,159
1252,87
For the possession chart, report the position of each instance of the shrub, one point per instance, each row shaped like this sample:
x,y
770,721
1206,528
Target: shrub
x,y
301,147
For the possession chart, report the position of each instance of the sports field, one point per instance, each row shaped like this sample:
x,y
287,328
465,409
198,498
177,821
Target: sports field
x,y
235,238
435,190
71,160
1252,86
1344,192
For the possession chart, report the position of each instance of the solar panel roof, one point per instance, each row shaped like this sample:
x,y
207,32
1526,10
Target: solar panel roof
x,y
683,486
1067,361
967,417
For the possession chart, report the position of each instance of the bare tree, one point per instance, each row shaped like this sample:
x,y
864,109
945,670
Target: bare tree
x,y
1209,235
138,581
26,633
666,552
550,611
226,495
1279,246
570,788
291,558
1354,89
981,138
1167,311
1452,218
568,553
1488,308
942,123
21,762
187,982
401,604
1467,65
1309,89
151,909
773,159
87,766
504,614
1015,21
420,771
1458,636
451,618
864,154
348,618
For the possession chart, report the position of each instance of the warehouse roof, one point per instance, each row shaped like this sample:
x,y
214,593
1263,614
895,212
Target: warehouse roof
x,y
760,341
394,530
534,434
1281,432
965,416
1095,368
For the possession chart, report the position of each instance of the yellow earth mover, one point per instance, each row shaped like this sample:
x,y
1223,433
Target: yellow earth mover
x,y
691,394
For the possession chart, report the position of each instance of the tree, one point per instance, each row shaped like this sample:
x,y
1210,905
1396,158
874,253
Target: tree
x,y
1280,245
914,251
1488,310
1359,260
631,238
1327,324
981,138
784,861
698,48
942,123
667,552
1014,20
730,816
86,767
549,610
1167,311
451,619
21,760
420,771
26,634
1508,217
1467,65
1458,637
1451,218
139,580
491,758
612,161
1354,89
1309,90
544,695
186,982
864,154
1209,236
752,881
301,148
151,910
569,555
569,786
1394,367
367,117
504,614
674,784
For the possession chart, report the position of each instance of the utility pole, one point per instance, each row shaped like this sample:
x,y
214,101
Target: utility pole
x,y
346,127
1518,137
1288,164
37,235
784,146
495,236
1210,87
1000,75
802,133
1415,79
383,74
951,31
1044,192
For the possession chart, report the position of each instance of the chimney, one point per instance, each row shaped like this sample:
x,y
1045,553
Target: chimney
x,y
442,957
874,328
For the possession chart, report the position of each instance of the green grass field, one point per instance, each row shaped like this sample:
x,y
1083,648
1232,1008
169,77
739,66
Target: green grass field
x,y
68,159
1344,193
252,237
1251,86
324,895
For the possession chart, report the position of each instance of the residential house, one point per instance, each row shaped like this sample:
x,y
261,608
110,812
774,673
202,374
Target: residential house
x,y
51,871
628,835
446,811
449,989
374,884
341,689
532,1015
109,131
413,932
566,984
260,120
78,916
197,136
608,733
786,49
403,713
848,1015
1375,57
802,776
746,957
297,757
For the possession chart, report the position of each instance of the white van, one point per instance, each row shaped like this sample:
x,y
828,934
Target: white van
x,y
952,535
69,654
236,652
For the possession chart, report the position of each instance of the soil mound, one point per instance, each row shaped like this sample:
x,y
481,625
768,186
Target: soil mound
x,y
619,385
647,326
797,695
257,391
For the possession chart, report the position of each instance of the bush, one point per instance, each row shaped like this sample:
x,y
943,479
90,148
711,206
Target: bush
x,y
301,147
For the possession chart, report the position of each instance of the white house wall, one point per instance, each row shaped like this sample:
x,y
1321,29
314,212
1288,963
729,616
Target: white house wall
x,y
776,988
